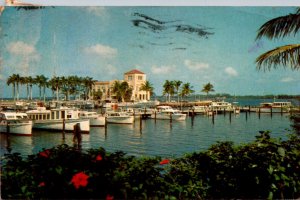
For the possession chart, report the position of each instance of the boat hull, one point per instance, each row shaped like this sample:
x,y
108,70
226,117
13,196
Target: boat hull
x,y
177,117
59,125
120,119
16,128
98,121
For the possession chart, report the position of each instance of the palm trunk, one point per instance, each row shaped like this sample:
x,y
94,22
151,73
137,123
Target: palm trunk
x,y
30,92
40,92
17,91
14,91
44,91
56,93
27,90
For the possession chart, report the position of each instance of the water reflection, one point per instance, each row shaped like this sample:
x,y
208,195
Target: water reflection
x,y
159,137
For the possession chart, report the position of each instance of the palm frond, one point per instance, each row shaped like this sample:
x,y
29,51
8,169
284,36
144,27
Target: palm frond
x,y
280,26
288,55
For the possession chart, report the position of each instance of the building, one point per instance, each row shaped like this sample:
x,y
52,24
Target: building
x,y
134,78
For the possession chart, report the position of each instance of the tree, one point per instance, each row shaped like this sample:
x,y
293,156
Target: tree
x,y
41,81
11,80
122,90
177,85
288,55
55,84
147,87
24,81
30,82
208,88
88,83
186,90
168,89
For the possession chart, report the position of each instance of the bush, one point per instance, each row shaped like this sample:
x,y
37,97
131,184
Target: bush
x,y
265,168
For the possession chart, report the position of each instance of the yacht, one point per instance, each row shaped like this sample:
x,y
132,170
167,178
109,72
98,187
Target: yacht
x,y
119,117
95,118
275,107
199,109
57,119
15,123
167,112
221,106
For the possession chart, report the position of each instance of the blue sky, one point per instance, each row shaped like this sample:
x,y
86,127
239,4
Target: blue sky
x,y
103,43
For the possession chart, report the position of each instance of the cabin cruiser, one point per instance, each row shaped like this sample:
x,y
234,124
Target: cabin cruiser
x,y
15,123
167,112
119,117
274,107
199,109
221,106
57,119
95,118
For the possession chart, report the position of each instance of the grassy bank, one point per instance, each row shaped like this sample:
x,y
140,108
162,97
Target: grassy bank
x,y
265,168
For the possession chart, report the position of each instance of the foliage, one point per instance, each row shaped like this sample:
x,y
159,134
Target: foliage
x,y
287,55
265,168
208,88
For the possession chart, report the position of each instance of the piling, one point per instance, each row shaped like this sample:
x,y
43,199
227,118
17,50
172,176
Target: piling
x,y
155,116
230,117
64,128
271,112
105,127
224,112
213,117
170,117
141,124
281,110
246,116
7,128
258,113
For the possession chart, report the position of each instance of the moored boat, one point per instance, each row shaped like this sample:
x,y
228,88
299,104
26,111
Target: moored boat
x,y
15,123
119,118
62,118
167,112
95,118
274,107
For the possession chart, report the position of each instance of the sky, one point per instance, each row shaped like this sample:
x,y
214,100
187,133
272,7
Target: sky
x,y
195,44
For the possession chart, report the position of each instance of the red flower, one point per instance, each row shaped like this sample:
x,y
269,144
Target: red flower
x,y
45,153
42,184
109,197
164,162
99,158
80,179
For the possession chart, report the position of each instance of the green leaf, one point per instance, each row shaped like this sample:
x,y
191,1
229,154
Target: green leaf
x,y
281,151
270,169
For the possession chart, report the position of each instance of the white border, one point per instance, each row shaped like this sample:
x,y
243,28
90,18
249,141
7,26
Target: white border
x,y
162,2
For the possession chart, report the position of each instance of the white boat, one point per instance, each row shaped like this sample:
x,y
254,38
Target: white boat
x,y
15,123
119,118
221,106
57,119
167,112
274,107
95,118
199,109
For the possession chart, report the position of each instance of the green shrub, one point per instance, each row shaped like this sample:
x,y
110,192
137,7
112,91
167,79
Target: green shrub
x,y
265,168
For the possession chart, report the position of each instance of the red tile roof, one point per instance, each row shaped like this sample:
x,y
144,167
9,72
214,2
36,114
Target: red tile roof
x,y
134,71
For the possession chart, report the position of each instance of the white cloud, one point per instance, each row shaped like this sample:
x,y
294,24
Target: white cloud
x,y
230,71
22,55
101,50
162,69
110,69
287,79
97,10
195,65
21,48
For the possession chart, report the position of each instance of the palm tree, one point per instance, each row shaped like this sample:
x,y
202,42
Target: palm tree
x,y
55,84
177,85
147,87
116,89
30,81
88,83
41,81
17,79
208,88
11,80
186,90
122,90
168,89
24,81
288,55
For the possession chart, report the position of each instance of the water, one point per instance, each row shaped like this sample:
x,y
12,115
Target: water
x,y
161,137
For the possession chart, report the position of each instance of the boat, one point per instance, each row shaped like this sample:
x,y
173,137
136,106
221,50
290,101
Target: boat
x,y
58,119
274,107
15,123
221,106
95,118
119,117
167,112
199,109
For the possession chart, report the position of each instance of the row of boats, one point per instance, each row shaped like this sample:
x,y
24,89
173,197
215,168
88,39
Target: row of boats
x,y
64,118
